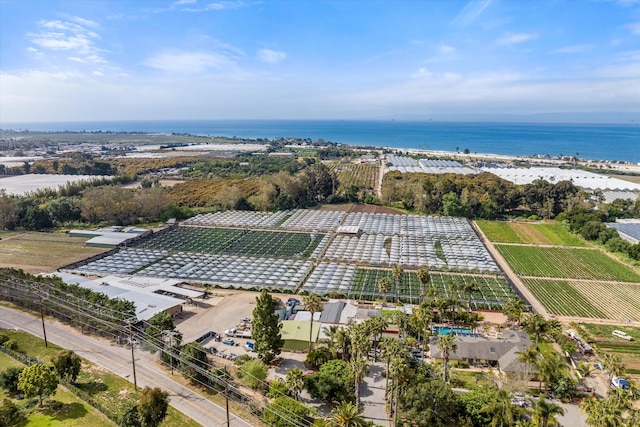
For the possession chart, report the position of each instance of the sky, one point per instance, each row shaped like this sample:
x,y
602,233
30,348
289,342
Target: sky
x,y
314,59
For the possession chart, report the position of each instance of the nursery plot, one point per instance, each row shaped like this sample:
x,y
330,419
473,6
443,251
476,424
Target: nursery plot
x,y
234,241
351,174
313,220
498,231
123,262
566,263
238,219
545,234
493,292
232,271
588,299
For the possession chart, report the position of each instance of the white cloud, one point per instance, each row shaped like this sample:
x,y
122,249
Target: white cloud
x,y
75,37
516,38
573,48
634,27
422,73
270,56
443,48
471,11
189,62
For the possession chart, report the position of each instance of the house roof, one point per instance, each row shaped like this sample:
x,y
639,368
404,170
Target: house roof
x,y
502,350
332,312
298,330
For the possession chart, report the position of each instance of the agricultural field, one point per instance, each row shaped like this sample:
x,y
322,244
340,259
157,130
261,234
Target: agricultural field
x,y
36,252
535,234
201,192
565,263
352,174
233,242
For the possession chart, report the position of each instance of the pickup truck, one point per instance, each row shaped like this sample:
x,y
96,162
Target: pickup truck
x,y
238,333
620,383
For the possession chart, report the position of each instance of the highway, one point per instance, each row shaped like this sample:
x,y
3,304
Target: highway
x,y
118,360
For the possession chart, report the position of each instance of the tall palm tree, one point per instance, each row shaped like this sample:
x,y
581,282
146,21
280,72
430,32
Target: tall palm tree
x,y
421,318
376,326
313,304
544,413
358,368
424,277
346,415
398,273
530,357
514,309
343,342
613,363
390,349
551,368
446,344
469,288
384,286
330,332
536,324
397,367
295,382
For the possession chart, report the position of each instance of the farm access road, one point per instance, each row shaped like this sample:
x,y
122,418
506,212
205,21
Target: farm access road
x,y
118,360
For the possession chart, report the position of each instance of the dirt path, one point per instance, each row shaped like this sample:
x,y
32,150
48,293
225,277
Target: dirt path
x,y
380,176
524,291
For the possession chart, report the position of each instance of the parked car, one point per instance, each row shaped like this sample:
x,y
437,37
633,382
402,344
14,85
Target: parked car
x,y
620,383
213,350
249,346
229,341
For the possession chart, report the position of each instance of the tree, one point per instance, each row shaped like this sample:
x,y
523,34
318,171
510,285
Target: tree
x,y
37,380
152,406
544,413
384,286
428,403
424,277
9,413
446,344
67,365
346,415
391,348
331,383
500,410
9,379
295,381
530,357
286,412
514,309
613,363
253,373
194,363
474,401
313,304
537,325
398,273
469,288
265,328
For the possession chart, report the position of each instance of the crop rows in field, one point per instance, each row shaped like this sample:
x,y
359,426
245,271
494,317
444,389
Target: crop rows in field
x,y
562,299
361,283
351,174
234,242
565,263
535,234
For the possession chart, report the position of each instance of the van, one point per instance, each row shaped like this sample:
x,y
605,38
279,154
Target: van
x,y
623,335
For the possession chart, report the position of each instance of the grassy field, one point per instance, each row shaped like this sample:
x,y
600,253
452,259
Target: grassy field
x,y
600,335
566,263
110,390
73,412
37,252
535,234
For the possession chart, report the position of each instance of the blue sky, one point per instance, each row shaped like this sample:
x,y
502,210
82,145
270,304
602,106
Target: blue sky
x,y
313,59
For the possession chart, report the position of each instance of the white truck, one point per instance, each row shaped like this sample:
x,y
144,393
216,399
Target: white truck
x,y
237,333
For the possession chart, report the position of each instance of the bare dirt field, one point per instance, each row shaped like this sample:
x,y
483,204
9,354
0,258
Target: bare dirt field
x,y
38,252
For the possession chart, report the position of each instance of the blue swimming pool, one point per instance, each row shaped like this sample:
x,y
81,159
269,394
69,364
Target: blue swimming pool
x,y
446,330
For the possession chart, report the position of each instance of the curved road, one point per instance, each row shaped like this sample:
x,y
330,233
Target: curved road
x,y
118,360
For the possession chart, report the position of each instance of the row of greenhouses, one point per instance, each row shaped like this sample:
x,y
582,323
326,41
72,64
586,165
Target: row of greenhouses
x,y
123,262
307,220
249,219
363,284
411,225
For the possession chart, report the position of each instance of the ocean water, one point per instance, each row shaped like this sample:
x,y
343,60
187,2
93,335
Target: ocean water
x,y
619,142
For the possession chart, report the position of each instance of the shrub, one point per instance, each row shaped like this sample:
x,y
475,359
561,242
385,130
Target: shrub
x,y
9,379
11,344
3,338
277,389
617,245
9,413
253,373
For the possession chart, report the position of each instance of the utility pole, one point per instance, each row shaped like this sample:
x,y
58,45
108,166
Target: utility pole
x,y
226,394
133,359
44,331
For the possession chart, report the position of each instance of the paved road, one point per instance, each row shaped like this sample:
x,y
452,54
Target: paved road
x,y
118,360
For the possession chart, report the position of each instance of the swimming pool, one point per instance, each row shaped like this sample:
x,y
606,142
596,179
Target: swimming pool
x,y
446,330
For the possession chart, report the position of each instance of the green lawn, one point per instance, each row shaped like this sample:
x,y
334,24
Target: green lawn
x,y
532,233
566,263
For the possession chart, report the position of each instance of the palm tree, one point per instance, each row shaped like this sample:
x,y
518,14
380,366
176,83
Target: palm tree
x,y
421,318
424,277
446,344
376,326
537,324
544,413
343,342
390,349
514,310
313,304
384,286
358,368
295,382
531,358
397,367
613,363
346,415
330,332
469,288
398,273
551,368
584,370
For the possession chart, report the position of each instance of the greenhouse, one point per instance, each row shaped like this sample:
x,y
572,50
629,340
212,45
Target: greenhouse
x,y
238,219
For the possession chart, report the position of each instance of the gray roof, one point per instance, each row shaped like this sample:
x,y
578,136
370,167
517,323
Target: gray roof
x,y
502,350
332,312
628,231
